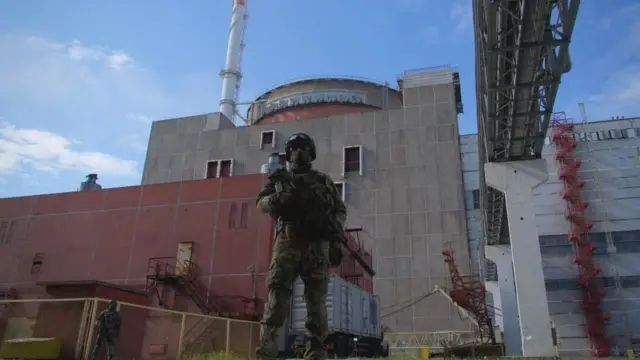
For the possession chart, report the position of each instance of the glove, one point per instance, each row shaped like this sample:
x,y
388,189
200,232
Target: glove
x,y
286,197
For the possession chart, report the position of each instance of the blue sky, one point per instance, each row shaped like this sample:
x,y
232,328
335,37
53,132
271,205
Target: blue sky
x,y
80,81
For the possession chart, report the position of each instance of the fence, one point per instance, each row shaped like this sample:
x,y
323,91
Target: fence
x,y
146,332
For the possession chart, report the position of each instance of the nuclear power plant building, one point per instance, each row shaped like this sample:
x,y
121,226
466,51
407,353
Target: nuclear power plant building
x,y
393,152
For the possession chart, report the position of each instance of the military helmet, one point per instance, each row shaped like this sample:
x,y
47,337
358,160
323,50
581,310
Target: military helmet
x,y
297,140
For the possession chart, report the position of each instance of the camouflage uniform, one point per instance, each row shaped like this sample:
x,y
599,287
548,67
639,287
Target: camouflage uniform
x,y
108,324
301,249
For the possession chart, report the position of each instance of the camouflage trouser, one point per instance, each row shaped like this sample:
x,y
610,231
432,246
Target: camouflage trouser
x,y
111,352
311,263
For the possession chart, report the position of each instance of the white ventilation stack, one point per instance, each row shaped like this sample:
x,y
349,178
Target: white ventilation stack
x,y
91,183
231,74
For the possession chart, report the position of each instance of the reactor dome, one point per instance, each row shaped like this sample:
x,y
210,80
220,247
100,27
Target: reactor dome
x,y
321,97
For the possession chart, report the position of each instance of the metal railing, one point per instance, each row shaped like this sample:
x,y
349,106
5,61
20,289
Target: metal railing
x,y
145,332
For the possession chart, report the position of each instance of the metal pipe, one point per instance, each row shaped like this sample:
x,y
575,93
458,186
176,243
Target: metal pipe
x,y
231,73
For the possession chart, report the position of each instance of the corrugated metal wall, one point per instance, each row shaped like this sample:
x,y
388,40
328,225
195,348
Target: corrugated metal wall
x,y
611,169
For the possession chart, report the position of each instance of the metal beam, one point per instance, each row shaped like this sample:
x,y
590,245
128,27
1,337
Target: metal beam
x,y
521,54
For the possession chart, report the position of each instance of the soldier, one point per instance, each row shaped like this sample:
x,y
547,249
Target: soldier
x,y
108,325
304,245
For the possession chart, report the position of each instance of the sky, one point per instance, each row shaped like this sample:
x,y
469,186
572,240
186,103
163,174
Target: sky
x,y
81,81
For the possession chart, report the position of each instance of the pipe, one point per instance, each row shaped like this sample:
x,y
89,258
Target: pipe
x,y
231,73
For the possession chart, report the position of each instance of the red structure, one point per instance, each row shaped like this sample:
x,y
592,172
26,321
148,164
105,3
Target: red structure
x,y
110,235
470,293
134,238
588,270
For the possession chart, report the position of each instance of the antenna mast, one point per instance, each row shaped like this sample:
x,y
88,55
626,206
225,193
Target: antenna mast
x,y
231,74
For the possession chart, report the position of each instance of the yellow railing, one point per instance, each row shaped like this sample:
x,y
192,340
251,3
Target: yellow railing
x,y
146,332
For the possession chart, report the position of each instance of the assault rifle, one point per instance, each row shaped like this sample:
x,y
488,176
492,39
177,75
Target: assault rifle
x,y
282,178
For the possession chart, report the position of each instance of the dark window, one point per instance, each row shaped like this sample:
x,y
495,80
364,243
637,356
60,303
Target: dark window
x,y
244,209
38,259
615,134
233,213
352,159
282,159
267,138
630,281
340,188
212,169
491,271
476,198
225,168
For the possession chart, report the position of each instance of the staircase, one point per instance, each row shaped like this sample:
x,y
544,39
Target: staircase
x,y
186,281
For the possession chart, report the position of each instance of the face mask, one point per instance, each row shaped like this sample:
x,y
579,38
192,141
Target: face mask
x,y
300,158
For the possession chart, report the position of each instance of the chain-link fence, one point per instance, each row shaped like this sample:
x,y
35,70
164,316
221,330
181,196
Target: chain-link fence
x,y
33,327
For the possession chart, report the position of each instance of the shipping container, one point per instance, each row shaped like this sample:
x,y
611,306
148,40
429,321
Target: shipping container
x,y
350,309
353,317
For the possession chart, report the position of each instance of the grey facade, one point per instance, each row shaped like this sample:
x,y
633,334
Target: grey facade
x,y
407,193
611,170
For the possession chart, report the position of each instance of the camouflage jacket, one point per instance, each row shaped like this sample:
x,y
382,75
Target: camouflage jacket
x,y
109,322
317,199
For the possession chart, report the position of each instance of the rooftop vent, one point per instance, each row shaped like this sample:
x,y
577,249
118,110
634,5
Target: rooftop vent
x,y
91,183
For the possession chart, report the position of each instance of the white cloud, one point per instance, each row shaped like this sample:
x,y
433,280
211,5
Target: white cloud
x,y
103,97
87,80
140,118
620,92
461,14
618,97
47,151
136,142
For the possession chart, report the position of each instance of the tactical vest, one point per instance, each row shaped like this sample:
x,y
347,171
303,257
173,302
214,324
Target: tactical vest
x,y
308,219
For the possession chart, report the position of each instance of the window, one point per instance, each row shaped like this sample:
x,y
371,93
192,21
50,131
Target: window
x,y
615,134
604,135
340,188
352,159
212,170
268,138
226,167
582,136
219,169
38,259
476,198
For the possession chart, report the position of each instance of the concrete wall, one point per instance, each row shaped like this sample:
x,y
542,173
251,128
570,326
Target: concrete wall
x,y
611,169
470,176
408,198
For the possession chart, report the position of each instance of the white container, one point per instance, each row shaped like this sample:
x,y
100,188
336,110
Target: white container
x,y
350,309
